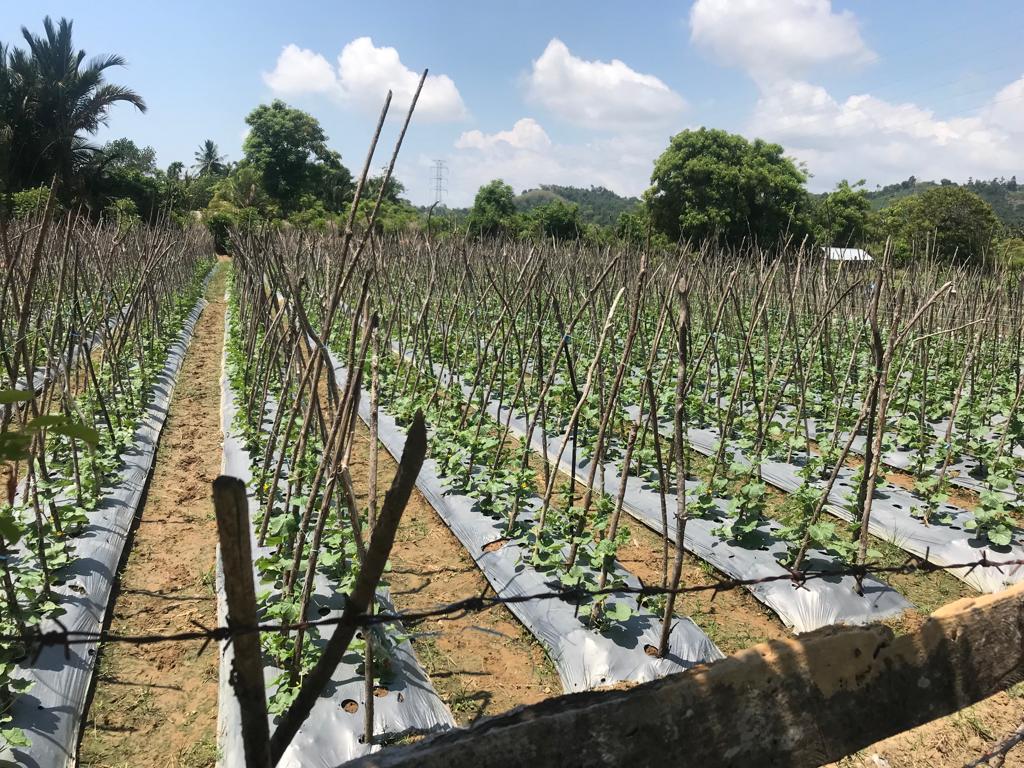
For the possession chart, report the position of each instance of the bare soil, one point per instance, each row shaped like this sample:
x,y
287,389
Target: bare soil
x,y
953,741
156,705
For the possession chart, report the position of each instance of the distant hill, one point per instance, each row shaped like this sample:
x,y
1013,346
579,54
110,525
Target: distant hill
x,y
1004,195
597,205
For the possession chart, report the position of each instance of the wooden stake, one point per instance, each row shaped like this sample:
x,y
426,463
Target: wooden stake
x,y
232,509
363,593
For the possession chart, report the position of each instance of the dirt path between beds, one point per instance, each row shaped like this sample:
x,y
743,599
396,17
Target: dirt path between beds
x,y
157,705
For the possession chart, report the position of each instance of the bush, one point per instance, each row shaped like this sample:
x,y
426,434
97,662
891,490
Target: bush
x,y
219,218
123,211
29,202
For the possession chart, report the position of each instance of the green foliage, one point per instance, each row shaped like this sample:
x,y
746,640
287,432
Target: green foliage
x,y
1004,195
287,148
392,192
1010,253
843,218
219,218
392,217
243,188
124,153
597,205
124,211
493,211
29,202
208,160
636,228
556,219
710,184
949,221
52,97
312,214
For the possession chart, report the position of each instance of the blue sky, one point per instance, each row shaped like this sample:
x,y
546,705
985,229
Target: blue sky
x,y
578,92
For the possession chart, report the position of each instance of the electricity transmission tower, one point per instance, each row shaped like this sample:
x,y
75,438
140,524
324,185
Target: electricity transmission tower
x,y
440,181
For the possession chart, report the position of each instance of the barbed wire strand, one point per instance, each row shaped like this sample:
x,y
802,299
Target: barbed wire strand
x,y
36,640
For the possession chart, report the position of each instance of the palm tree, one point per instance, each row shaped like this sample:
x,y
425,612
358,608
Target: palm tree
x,y
209,161
64,99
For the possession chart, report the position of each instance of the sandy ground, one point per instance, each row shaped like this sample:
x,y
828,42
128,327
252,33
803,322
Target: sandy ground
x,y
156,705
951,742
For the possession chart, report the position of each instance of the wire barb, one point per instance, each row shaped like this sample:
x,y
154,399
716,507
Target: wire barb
x,y
576,594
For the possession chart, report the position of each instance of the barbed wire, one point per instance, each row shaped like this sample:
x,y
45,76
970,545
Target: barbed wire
x,y
36,640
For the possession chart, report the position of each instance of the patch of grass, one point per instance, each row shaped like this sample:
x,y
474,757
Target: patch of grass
x,y
728,638
967,721
209,581
202,754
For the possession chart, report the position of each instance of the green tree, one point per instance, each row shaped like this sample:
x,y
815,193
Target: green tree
x,y
557,220
844,218
392,192
208,160
125,153
243,188
52,100
288,148
494,209
635,227
709,184
122,170
951,222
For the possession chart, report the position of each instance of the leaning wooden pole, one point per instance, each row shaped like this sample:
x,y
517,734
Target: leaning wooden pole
x,y
800,702
356,607
232,510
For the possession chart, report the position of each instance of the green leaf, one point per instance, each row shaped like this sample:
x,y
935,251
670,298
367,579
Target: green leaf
x,y
1001,536
9,528
44,421
81,432
15,737
618,612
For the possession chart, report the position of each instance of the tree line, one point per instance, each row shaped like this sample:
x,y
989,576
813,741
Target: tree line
x,y
708,184
712,185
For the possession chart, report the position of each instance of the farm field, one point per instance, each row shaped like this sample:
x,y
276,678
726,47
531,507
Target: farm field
x,y
714,460
531,366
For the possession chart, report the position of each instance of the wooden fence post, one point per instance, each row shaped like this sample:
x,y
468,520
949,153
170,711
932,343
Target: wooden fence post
x,y
799,703
232,509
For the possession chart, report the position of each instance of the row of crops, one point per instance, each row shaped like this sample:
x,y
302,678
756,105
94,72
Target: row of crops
x,y
570,392
288,419
94,323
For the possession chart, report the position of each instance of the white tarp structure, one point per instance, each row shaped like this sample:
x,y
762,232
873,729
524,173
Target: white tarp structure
x,y
847,254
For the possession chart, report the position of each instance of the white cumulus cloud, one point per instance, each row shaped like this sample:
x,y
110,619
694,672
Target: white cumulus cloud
x,y
778,38
362,77
525,157
599,94
863,136
527,133
300,70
